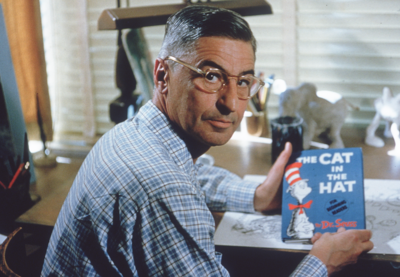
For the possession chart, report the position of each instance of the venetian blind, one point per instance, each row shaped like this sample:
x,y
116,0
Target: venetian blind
x,y
351,47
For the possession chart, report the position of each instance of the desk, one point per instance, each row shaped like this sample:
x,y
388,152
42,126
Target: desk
x,y
52,186
255,158
240,157
243,157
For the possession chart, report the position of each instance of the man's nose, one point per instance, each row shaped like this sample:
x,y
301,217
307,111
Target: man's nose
x,y
228,99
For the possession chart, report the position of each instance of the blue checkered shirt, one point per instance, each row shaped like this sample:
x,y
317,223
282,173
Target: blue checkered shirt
x,y
140,207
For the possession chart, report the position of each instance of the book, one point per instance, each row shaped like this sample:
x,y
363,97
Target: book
x,y
323,190
382,203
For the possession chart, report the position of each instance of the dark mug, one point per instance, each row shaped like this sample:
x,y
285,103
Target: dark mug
x,y
286,129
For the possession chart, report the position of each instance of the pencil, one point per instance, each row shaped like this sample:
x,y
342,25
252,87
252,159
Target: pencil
x,y
16,175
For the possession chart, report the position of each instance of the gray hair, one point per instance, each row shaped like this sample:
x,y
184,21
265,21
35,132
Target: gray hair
x,y
185,27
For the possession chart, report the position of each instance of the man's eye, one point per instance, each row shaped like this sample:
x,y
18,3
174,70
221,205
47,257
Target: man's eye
x,y
213,77
244,82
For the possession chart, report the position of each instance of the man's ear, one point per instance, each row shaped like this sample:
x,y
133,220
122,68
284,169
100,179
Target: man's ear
x,y
160,76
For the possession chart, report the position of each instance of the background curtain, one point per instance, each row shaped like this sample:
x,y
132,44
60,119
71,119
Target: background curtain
x,y
22,18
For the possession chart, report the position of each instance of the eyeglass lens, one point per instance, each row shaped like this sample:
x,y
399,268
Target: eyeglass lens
x,y
214,79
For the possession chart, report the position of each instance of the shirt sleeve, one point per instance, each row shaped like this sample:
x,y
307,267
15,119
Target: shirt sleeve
x,y
179,236
225,191
310,266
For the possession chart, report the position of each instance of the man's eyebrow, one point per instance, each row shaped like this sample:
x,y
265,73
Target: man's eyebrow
x,y
215,65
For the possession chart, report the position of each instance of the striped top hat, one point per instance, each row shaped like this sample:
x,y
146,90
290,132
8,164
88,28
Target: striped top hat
x,y
292,173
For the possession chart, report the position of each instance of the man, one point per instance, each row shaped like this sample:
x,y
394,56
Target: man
x,y
138,204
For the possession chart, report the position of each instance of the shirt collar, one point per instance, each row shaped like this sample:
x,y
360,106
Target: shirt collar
x,y
161,126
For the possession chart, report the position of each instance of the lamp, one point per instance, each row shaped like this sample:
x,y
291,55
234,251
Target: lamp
x,y
122,18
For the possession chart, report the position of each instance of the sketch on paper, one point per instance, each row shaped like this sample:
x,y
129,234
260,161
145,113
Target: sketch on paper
x,y
252,230
267,227
382,207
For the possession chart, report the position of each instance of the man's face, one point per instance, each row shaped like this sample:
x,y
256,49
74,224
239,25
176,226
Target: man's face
x,y
209,118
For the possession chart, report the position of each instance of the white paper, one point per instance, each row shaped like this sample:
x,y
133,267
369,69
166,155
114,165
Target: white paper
x,y
252,230
382,207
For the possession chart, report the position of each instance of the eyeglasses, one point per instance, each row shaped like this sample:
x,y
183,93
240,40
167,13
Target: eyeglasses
x,y
215,79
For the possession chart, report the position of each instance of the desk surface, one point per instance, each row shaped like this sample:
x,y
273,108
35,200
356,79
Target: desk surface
x,y
240,157
52,186
243,157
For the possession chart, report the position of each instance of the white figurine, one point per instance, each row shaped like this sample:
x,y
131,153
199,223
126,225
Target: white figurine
x,y
387,108
323,112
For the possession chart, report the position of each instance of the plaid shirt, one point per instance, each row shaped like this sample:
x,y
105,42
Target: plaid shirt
x,y
139,207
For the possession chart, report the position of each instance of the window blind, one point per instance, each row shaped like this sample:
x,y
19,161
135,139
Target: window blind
x,y
351,47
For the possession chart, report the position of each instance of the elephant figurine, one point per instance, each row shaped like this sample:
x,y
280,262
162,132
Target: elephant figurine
x,y
387,108
323,112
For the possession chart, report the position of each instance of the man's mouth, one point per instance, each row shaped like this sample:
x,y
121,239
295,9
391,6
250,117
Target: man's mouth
x,y
220,123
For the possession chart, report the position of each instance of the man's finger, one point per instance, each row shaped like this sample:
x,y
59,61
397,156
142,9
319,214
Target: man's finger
x,y
268,196
341,229
284,156
367,246
276,172
365,235
316,237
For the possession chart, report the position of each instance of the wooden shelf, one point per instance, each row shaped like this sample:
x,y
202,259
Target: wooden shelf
x,y
122,18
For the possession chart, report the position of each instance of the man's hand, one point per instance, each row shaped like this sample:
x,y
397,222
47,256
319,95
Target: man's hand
x,y
268,195
338,249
